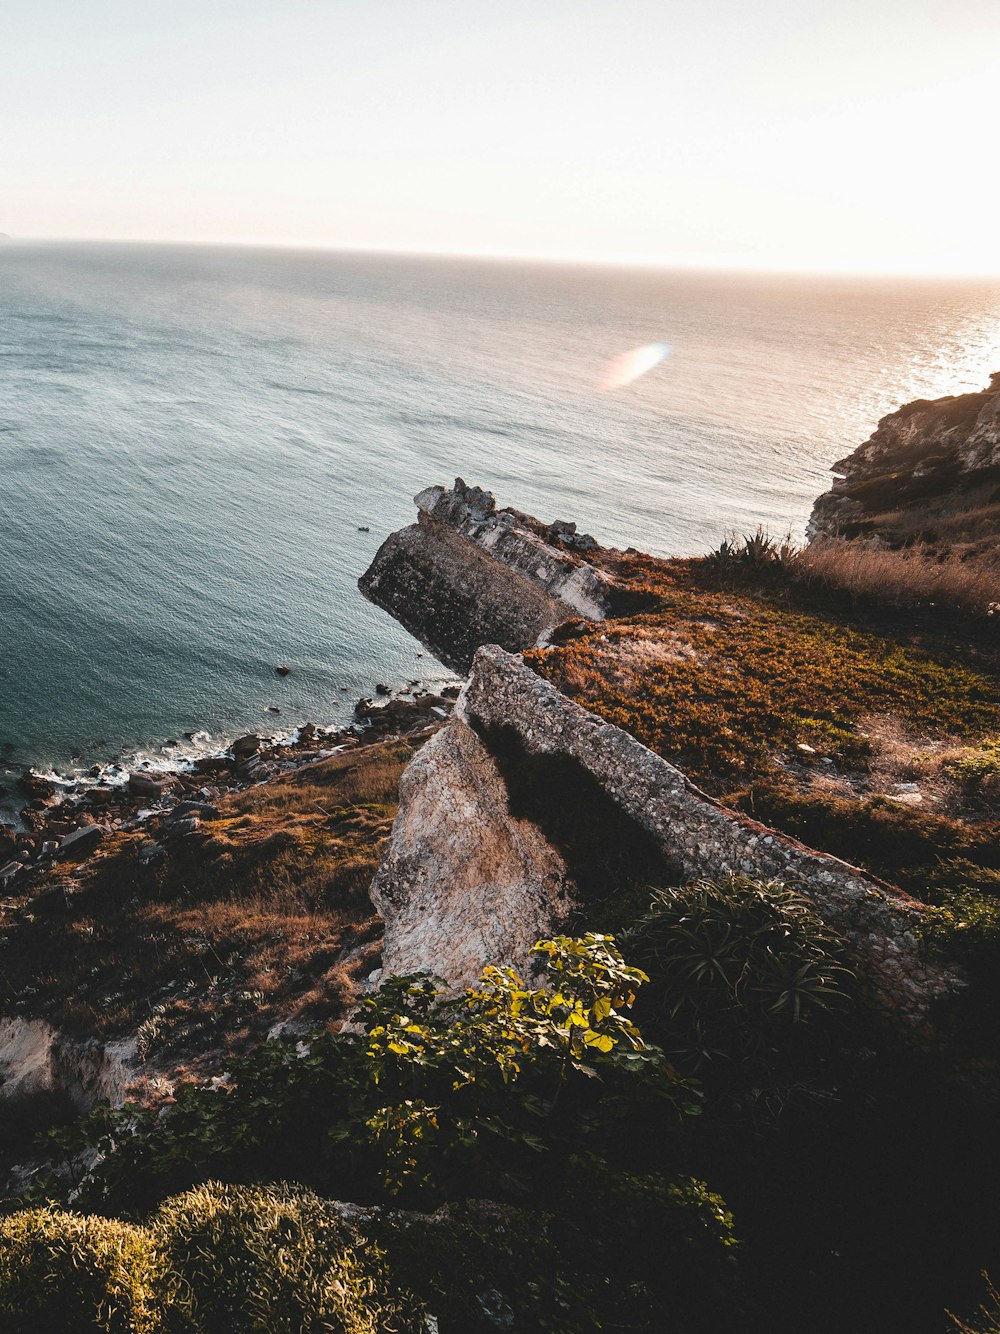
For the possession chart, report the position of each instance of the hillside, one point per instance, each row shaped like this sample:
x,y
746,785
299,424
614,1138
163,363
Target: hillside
x,y
748,1077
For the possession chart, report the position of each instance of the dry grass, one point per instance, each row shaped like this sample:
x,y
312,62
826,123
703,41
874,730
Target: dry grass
x,y
831,701
913,576
260,917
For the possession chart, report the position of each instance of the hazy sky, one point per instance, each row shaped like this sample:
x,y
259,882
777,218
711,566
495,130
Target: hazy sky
x,y
813,133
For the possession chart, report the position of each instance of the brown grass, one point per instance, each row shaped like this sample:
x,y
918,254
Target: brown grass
x,y
742,674
913,576
260,917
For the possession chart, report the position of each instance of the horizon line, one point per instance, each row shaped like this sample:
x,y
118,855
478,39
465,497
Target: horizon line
x,y
568,259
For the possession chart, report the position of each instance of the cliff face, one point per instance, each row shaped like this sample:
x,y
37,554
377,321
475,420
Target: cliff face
x,y
480,864
468,574
930,472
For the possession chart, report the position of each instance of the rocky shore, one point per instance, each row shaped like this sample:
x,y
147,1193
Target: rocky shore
x,y
65,820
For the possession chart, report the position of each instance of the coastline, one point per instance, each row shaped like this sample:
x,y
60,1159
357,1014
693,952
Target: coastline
x,y
47,815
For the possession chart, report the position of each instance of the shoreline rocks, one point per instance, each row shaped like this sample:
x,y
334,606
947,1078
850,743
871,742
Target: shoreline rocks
x,y
70,820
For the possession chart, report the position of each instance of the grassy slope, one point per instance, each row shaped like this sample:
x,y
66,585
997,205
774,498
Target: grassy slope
x,y
732,682
261,916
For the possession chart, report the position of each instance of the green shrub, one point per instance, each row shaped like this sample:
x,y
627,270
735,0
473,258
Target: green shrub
x,y
61,1273
966,928
621,1252
977,762
436,1095
274,1261
913,848
751,553
733,961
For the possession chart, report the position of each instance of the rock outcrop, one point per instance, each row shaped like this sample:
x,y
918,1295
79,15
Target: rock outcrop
x,y
930,472
468,573
36,1058
478,867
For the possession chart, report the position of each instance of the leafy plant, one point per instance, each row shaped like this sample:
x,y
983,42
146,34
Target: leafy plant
x,y
753,553
431,1093
733,961
521,1094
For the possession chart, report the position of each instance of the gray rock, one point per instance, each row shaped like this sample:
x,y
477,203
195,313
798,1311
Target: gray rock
x,y
463,883
467,574
82,840
150,785
245,745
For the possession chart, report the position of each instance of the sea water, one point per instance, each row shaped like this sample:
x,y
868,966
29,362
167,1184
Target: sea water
x,y
201,449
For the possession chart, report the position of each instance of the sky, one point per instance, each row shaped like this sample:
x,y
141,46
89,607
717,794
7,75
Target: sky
x,y
851,135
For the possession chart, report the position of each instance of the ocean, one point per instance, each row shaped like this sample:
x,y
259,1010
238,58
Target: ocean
x,y
193,438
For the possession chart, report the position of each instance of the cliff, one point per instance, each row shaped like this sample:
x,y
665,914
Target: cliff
x,y
527,810
467,573
930,472
479,864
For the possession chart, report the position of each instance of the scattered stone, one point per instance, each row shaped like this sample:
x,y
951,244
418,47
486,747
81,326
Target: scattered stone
x,y
81,840
245,745
203,809
150,785
382,689
180,828
56,899
212,765
35,786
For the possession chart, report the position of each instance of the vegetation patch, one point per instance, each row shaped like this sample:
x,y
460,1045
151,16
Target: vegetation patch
x,y
732,964
760,679
61,1273
262,915
524,1096
278,1260
926,854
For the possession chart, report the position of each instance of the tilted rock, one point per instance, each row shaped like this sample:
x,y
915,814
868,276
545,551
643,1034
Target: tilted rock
x,y
467,574
464,882
81,841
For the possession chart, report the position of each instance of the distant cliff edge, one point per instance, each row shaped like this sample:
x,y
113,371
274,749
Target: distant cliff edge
x,y
930,473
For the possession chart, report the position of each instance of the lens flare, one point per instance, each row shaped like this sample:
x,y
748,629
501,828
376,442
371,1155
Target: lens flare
x,y
622,370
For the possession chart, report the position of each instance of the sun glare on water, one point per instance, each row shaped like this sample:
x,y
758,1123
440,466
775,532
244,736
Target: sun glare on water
x,y
623,369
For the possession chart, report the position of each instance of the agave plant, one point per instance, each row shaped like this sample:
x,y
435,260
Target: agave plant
x,y
737,957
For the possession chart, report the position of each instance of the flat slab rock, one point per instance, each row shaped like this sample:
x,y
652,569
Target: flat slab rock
x,y
463,883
